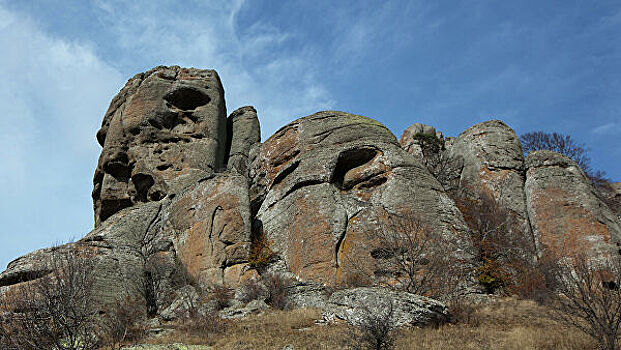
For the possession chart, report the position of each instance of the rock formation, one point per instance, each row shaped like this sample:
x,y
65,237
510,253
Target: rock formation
x,y
565,211
324,184
164,123
180,183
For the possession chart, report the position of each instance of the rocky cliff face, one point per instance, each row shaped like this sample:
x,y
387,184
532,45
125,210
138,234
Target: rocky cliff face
x,y
324,185
180,181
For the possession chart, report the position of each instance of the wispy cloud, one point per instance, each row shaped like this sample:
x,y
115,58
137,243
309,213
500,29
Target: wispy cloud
x,y
53,95
612,128
282,87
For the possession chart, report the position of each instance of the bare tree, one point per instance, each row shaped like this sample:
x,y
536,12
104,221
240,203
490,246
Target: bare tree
x,y
505,254
588,296
56,311
419,260
563,144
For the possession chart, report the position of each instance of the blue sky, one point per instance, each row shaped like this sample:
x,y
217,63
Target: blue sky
x,y
552,66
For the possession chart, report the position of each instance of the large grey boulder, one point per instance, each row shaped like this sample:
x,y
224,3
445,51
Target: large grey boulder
x,y
358,304
324,185
564,209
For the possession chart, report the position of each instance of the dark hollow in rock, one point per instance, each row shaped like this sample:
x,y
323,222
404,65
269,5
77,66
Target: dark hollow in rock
x,y
348,160
186,98
111,206
142,183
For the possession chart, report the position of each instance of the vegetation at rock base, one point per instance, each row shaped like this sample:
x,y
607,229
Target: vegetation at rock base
x,y
507,323
56,311
505,255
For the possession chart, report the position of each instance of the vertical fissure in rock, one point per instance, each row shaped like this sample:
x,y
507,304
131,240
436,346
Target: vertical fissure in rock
x,y
211,227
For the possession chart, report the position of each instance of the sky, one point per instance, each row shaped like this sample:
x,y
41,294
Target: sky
x,y
537,65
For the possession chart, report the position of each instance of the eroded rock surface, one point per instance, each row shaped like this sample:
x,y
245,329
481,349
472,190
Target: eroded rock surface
x,y
493,163
163,123
356,305
324,185
408,139
244,133
210,225
565,212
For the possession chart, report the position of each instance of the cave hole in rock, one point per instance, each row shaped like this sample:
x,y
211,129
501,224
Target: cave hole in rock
x,y
142,183
186,98
120,170
351,159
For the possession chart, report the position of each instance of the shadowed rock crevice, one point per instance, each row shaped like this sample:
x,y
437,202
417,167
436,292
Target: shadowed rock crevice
x,y
22,277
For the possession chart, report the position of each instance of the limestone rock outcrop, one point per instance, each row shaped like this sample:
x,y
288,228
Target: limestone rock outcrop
x,y
323,185
210,226
565,211
493,165
354,305
245,133
181,184
163,123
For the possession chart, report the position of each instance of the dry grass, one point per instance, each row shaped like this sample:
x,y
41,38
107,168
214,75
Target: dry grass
x,y
503,324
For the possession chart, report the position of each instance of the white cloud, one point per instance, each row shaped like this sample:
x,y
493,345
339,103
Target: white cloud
x,y
611,128
53,95
282,87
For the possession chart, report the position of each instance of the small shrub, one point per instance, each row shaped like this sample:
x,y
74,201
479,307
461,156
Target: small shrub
x,y
204,324
261,253
375,329
429,143
122,323
222,295
276,286
463,312
251,290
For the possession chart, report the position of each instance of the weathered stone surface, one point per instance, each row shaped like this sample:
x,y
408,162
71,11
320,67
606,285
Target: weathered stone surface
x,y
353,305
115,246
164,123
564,210
493,165
409,142
324,184
241,311
243,132
210,226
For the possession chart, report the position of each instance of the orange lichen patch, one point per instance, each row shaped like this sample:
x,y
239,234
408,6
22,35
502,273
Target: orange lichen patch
x,y
354,253
562,222
212,230
311,245
233,274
